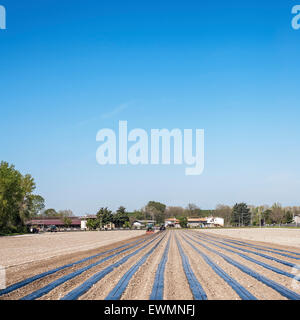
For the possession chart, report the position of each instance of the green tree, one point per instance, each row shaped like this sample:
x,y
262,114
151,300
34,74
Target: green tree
x,y
175,212
67,221
193,210
266,216
126,224
138,215
38,204
92,224
241,215
17,201
120,217
50,213
288,218
183,222
156,210
278,213
104,216
224,212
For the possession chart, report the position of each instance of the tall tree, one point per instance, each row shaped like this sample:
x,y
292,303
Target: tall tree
x,y
67,221
50,213
193,210
224,212
175,212
156,210
104,216
183,222
121,217
278,213
241,215
17,201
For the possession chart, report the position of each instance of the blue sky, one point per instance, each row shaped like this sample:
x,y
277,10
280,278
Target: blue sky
x,y
70,68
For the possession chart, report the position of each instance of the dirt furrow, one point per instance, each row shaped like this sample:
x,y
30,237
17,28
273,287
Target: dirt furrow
x,y
257,288
70,285
140,286
214,286
101,289
281,279
176,284
40,267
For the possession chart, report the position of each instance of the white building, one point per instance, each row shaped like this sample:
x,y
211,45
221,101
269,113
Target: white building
x,y
297,220
205,222
215,222
172,222
137,225
84,220
196,222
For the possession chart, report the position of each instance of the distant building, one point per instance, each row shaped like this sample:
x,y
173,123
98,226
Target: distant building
x,y
196,222
137,225
172,222
140,224
85,218
297,219
215,222
45,222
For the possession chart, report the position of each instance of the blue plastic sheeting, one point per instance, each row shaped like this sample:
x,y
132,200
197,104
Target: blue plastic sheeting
x,y
266,250
84,287
265,265
258,247
286,263
196,288
117,291
270,283
239,289
44,290
27,281
158,286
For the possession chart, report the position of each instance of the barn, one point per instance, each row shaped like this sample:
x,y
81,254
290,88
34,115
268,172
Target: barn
x,y
44,223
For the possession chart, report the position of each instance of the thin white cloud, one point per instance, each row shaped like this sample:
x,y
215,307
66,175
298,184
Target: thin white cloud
x,y
115,111
107,115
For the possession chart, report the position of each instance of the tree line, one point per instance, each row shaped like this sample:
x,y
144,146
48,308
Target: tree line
x,y
19,203
242,214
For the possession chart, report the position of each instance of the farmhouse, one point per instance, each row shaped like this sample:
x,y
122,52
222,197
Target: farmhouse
x,y
142,223
85,218
172,222
297,220
196,222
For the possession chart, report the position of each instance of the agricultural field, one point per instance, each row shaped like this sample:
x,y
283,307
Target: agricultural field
x,y
281,236
171,264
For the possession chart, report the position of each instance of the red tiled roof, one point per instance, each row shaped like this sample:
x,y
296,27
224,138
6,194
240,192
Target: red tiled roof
x,y
57,222
197,219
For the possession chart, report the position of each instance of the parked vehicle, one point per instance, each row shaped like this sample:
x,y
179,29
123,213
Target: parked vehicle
x,y
52,228
34,230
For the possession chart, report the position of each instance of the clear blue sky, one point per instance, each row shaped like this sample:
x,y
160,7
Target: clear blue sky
x,y
70,68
